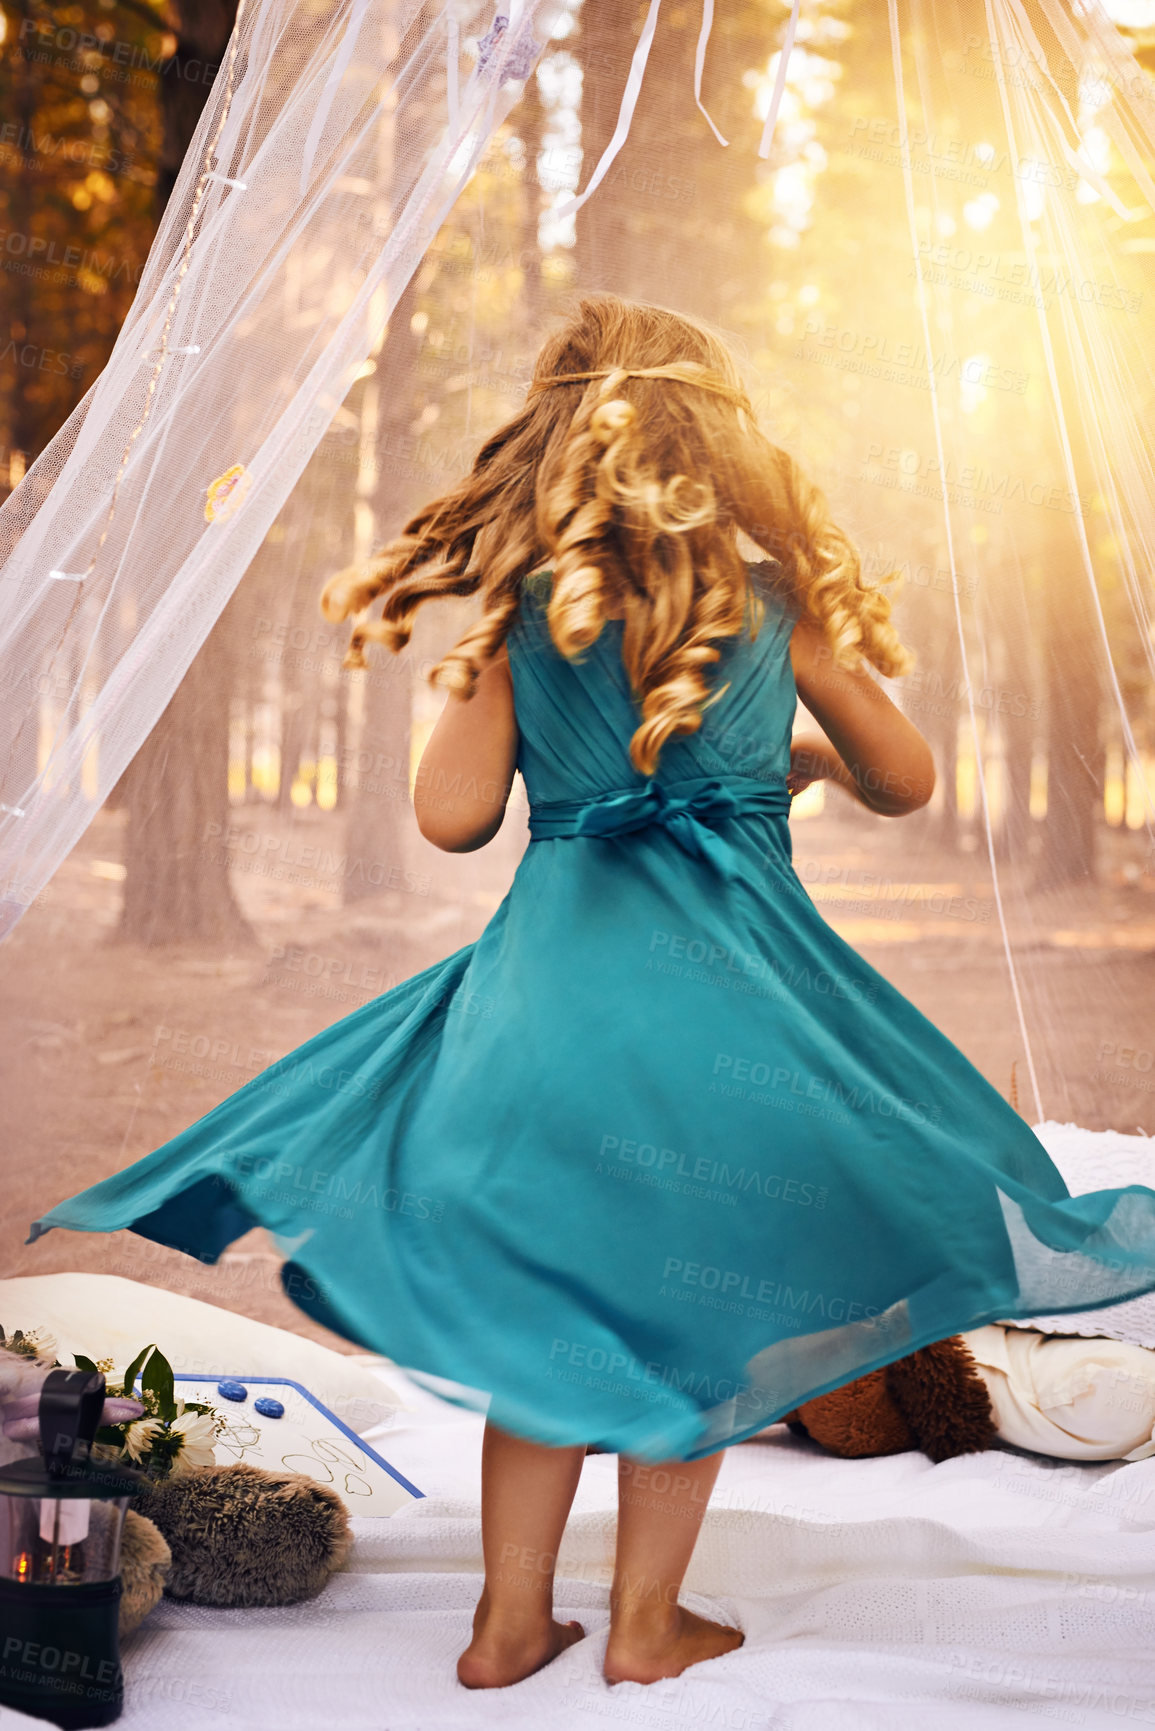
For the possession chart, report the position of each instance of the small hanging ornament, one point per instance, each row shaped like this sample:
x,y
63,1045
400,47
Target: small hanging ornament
x,y
226,494
519,61
487,44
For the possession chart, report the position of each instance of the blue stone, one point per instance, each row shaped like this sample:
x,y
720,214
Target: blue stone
x,y
268,1407
232,1391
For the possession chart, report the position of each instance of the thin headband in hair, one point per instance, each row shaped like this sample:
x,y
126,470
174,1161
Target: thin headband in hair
x,y
676,370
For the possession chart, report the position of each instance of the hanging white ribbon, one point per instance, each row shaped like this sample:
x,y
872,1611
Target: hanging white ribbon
x,y
625,114
332,84
1091,175
699,63
452,64
780,81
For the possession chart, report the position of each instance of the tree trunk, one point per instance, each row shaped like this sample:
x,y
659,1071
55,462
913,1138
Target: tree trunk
x,y
1076,757
1019,729
22,211
937,700
377,802
203,31
667,225
177,886
530,119
607,37
19,771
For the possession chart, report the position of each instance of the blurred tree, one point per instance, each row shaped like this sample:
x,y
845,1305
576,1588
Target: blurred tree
x,y
177,885
78,153
669,223
376,801
454,363
102,112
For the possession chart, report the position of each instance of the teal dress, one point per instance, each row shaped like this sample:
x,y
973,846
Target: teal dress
x,y
659,1156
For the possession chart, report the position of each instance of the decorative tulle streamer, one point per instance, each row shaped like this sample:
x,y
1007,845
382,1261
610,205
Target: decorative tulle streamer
x,y
330,153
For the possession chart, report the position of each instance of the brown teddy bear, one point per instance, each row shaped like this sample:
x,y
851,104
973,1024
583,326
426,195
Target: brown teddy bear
x,y
934,1400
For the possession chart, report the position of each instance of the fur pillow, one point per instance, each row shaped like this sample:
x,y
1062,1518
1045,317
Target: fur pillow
x,y
243,1536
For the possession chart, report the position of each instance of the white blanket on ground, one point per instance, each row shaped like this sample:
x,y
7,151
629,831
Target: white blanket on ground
x,y
876,1595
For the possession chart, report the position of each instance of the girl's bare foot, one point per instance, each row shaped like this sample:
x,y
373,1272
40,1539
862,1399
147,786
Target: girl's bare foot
x,y
503,1652
646,1646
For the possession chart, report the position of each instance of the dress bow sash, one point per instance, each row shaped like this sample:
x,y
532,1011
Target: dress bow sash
x,y
689,810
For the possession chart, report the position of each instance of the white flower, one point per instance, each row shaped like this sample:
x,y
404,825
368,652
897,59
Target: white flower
x,y
35,1343
140,1436
196,1431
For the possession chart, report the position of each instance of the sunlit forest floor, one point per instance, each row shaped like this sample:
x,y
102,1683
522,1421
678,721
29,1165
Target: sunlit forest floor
x,y
115,1048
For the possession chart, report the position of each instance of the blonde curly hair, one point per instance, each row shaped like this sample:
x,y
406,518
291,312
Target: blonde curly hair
x,y
629,472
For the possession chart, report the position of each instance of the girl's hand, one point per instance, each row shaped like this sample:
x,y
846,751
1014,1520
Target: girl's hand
x,y
811,759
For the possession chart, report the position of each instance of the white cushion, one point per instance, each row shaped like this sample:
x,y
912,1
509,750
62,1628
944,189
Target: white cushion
x,y
1081,1400
106,1316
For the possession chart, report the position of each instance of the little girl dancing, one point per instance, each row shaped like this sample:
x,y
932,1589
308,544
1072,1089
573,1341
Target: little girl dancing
x,y
697,1162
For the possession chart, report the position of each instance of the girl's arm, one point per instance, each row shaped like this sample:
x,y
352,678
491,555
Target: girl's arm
x,y
882,758
467,768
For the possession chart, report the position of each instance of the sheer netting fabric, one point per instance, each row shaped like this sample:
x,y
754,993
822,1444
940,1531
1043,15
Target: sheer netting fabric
x,y
729,1097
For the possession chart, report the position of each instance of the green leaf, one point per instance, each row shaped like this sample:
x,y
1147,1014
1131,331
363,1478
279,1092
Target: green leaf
x,y
158,1379
81,1362
131,1373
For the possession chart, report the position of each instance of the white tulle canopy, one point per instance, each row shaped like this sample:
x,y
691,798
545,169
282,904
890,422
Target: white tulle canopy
x,y
971,380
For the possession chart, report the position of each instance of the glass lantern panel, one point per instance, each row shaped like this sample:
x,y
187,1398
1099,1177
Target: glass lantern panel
x,y
62,1541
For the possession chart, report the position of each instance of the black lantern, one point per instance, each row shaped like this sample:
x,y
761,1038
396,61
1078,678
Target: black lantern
x,y
61,1520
